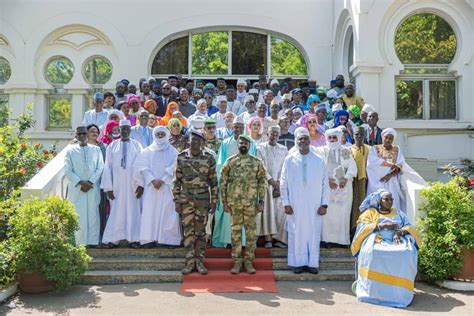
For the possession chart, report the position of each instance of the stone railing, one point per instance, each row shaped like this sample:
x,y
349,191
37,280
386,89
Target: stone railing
x,y
48,181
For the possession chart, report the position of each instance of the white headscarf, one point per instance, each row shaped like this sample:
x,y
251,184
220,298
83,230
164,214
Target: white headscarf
x,y
160,143
334,132
389,131
117,112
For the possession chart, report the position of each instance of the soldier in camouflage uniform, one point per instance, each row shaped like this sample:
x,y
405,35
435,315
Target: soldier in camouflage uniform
x,y
213,142
195,194
243,183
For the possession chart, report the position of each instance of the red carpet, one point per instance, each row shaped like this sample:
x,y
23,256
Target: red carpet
x,y
220,280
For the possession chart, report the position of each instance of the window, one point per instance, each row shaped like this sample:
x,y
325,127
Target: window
x,y
230,54
426,45
59,70
4,109
5,70
97,70
59,111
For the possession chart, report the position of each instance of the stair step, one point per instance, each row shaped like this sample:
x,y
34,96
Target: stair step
x,y
166,264
102,277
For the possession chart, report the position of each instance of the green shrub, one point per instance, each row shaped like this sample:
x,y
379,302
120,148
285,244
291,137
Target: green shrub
x,y
7,265
41,239
447,228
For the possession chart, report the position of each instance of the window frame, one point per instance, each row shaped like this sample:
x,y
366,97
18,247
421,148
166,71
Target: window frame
x,y
45,70
56,96
88,60
229,75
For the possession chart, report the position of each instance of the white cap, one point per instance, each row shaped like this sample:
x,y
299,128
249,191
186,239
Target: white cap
x,y
238,120
201,101
301,131
336,107
331,94
241,81
221,98
286,96
125,123
248,98
368,108
251,91
274,81
198,122
389,131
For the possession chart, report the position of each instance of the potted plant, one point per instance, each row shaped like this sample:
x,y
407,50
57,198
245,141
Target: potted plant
x,y
41,242
447,230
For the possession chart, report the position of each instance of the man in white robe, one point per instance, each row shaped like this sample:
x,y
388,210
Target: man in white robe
x,y
141,132
250,105
124,193
271,222
342,169
305,194
83,168
154,168
223,109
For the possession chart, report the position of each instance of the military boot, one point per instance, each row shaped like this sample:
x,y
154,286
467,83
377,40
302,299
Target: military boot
x,y
201,267
188,268
249,267
236,268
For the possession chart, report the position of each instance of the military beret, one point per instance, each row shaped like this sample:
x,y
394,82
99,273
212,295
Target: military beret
x,y
194,133
209,121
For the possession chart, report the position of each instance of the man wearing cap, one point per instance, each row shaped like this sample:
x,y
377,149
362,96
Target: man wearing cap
x,y
221,86
201,111
233,104
250,106
97,115
123,192
275,88
200,84
212,141
350,98
305,194
226,131
141,132
297,95
222,106
195,195
229,147
242,186
254,92
241,90
83,166
271,222
285,103
364,113
342,169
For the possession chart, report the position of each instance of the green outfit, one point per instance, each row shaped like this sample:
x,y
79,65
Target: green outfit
x,y
243,183
214,145
195,188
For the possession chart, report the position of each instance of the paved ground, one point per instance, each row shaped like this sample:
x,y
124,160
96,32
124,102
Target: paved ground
x,y
294,298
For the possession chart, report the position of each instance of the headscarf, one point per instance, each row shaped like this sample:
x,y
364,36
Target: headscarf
x,y
132,97
337,118
169,114
149,103
160,143
108,130
303,121
373,200
331,132
250,123
355,110
312,98
171,123
389,131
117,112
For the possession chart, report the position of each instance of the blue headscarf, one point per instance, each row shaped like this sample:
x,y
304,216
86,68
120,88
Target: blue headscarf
x,y
337,119
373,200
312,98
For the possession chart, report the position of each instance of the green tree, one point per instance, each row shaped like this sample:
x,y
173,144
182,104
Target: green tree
x,y
210,53
425,39
5,70
286,59
60,70
98,71
60,113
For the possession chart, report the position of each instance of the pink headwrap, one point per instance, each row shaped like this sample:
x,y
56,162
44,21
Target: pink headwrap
x,y
132,97
250,123
108,130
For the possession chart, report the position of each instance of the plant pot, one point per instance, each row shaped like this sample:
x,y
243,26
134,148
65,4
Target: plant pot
x,y
34,283
467,269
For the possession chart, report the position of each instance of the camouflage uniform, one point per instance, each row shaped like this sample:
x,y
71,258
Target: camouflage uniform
x,y
195,188
214,145
243,183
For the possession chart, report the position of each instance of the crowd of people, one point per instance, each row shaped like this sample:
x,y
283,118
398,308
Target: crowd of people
x,y
188,162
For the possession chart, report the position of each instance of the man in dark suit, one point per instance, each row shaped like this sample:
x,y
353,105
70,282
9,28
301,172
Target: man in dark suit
x,y
373,133
163,100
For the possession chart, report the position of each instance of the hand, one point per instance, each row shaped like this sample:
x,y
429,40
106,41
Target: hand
x,y
396,237
342,183
388,226
227,208
274,184
157,183
276,193
85,186
322,210
288,210
139,192
259,208
178,208
332,184
110,195
212,208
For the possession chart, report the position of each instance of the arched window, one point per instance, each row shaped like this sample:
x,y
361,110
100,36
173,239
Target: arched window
x,y
230,54
426,45
5,70
59,70
97,70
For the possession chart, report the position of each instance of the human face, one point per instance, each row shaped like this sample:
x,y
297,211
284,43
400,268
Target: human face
x,y
387,140
120,89
297,115
190,87
229,118
166,90
349,91
125,132
160,134
274,108
173,82
132,89
200,85
152,109
238,129
144,116
373,119
81,135
386,202
183,95
230,94
289,114
255,96
363,116
333,139
125,109
202,107
340,81
178,116
115,117
197,96
175,130
250,105
173,108
220,84
152,121
273,138
268,97
286,103
321,114
109,101
145,87
312,123
303,143
195,142
297,96
92,134
99,105
359,137
210,131
134,105
256,127
115,131
223,106
342,120
284,123
261,110
208,99
243,146
241,87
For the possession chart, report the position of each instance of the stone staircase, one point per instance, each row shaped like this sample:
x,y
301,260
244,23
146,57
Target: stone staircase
x,y
163,265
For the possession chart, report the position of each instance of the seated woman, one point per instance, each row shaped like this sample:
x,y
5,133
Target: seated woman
x,y
386,245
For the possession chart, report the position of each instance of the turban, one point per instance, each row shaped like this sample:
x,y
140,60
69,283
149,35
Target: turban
x,y
301,131
149,103
312,98
321,90
320,108
131,98
267,92
389,131
116,112
175,120
334,132
331,94
368,108
238,120
197,122
195,91
355,110
336,107
373,200
248,98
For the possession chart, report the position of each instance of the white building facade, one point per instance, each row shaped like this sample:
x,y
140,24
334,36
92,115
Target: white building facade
x,y
350,37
